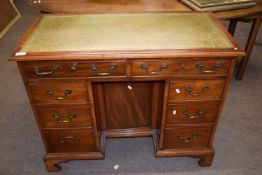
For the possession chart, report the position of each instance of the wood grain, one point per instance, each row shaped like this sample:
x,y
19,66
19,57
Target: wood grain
x,y
40,88
59,117
180,67
126,107
86,141
178,90
75,69
171,140
192,113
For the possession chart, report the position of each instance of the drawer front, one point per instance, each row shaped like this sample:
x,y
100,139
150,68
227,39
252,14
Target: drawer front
x,y
187,137
180,67
70,141
65,117
191,113
74,69
154,68
196,90
59,91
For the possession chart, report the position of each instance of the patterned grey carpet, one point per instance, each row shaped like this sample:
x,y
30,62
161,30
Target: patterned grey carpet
x,y
238,142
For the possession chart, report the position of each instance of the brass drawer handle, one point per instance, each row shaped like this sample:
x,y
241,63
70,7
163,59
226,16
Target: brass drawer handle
x,y
57,117
66,92
201,67
37,71
163,67
111,68
189,90
75,139
186,113
187,139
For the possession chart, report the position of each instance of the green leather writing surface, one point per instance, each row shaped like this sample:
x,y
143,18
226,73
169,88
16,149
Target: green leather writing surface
x,y
133,31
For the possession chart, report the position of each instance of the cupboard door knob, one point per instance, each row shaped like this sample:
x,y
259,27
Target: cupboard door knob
x,y
37,71
57,117
75,139
109,72
186,113
187,139
202,69
66,92
190,91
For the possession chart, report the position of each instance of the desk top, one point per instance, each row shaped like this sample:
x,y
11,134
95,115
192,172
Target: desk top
x,y
140,31
122,33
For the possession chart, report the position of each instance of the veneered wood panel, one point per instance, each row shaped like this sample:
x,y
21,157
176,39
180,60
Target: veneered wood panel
x,y
196,90
62,141
54,69
128,104
184,137
49,91
65,117
180,67
192,113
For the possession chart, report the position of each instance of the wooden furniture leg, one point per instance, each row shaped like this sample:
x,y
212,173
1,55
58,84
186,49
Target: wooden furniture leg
x,y
249,47
232,26
206,160
52,165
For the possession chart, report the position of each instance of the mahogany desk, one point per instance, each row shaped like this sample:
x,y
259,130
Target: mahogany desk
x,y
98,76
109,6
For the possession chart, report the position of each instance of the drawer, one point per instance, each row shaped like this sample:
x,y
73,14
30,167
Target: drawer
x,y
180,67
154,67
183,137
196,90
59,91
63,141
74,69
191,113
65,117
